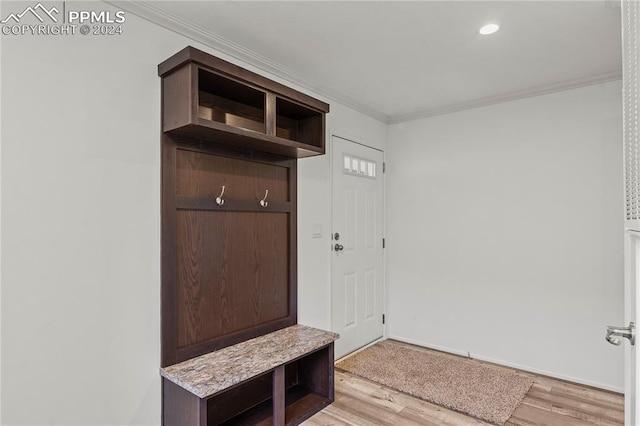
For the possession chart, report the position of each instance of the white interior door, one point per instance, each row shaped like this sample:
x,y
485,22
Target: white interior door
x,y
632,275
357,257
631,130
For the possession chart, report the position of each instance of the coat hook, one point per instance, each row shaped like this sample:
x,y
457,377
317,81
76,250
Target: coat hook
x,y
219,199
263,202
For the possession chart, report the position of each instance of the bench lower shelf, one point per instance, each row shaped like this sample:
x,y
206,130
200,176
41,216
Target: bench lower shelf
x,y
300,405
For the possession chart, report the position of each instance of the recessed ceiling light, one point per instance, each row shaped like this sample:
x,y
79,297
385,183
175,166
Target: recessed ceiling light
x,y
489,29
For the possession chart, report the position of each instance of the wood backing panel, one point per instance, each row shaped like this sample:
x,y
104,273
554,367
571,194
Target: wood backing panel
x,y
287,128
168,253
310,131
260,415
226,111
232,272
216,343
270,108
314,372
204,175
181,407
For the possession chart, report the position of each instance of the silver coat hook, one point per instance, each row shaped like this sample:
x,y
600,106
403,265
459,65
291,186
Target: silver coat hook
x,y
219,199
263,202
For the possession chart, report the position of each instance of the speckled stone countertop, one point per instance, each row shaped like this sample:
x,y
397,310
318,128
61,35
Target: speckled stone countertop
x,y
216,371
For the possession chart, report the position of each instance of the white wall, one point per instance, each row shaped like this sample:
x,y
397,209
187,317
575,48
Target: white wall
x,y
504,228
80,211
81,225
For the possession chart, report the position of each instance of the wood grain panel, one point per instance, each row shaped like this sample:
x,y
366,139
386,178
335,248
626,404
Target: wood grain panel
x,y
233,272
203,175
177,91
181,407
314,372
310,130
169,271
230,112
270,114
278,396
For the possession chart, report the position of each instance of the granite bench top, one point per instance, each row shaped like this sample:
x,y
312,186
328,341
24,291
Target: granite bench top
x,y
216,371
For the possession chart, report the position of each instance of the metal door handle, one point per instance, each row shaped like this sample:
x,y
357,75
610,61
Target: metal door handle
x,y
626,332
338,247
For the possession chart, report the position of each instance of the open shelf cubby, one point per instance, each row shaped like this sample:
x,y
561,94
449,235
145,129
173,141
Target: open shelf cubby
x,y
214,101
251,403
227,101
297,123
307,388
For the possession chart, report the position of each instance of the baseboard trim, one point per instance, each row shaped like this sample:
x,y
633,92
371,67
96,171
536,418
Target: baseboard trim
x,y
503,363
368,345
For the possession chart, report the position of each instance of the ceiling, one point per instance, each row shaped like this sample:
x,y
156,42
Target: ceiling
x,y
398,61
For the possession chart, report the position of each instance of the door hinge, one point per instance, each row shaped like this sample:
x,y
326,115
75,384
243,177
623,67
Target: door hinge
x,y
383,243
384,167
383,318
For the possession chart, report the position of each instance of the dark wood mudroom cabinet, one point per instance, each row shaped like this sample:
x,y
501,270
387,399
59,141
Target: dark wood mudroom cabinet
x,y
230,144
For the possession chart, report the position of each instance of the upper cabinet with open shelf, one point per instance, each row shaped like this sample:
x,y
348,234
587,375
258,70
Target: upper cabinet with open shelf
x,y
215,101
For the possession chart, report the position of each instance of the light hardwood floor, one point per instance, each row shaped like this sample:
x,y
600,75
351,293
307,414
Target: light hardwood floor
x,y
548,402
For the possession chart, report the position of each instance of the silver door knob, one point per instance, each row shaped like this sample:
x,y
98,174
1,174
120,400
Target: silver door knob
x,y
626,332
338,247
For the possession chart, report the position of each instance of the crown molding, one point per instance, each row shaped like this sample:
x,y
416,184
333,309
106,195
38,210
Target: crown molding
x,y
172,23
240,53
507,97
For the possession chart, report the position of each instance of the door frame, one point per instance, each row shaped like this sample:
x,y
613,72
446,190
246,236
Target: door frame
x,y
329,151
630,23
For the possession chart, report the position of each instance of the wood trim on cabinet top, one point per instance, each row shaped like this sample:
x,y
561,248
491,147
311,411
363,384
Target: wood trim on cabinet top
x,y
191,54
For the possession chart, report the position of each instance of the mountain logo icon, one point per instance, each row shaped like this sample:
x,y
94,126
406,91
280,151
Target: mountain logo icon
x,y
38,11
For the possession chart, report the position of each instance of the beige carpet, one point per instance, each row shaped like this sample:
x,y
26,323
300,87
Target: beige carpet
x,y
461,384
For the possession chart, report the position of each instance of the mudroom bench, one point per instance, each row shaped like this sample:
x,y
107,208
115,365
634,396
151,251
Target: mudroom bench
x,y
232,352
280,378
